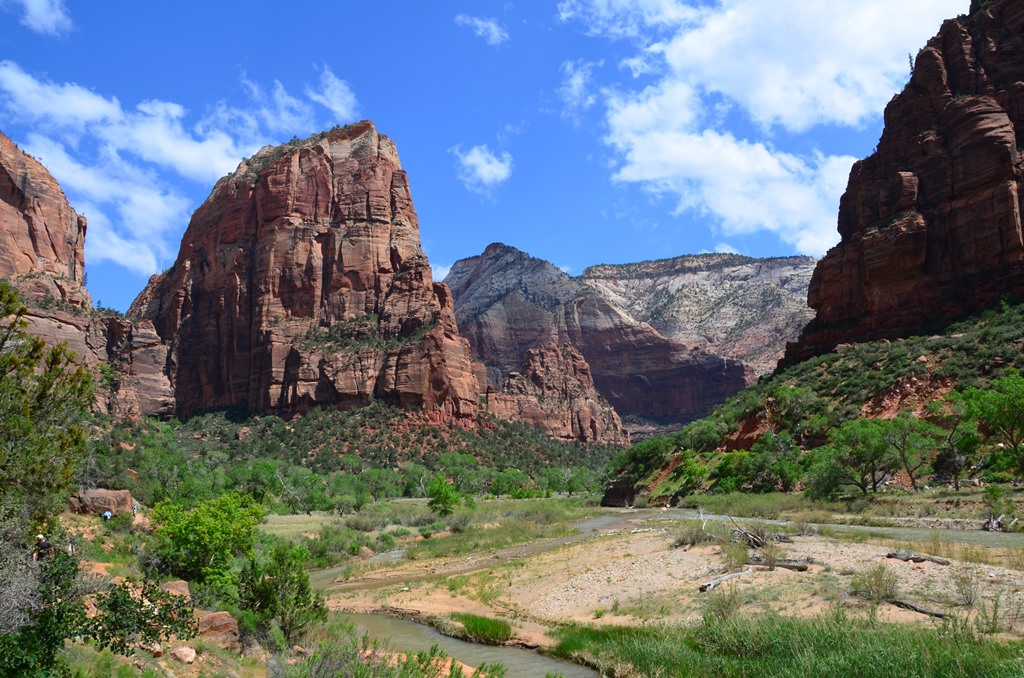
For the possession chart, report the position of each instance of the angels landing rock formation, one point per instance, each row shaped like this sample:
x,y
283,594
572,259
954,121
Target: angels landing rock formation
x,y
42,253
509,303
300,282
930,223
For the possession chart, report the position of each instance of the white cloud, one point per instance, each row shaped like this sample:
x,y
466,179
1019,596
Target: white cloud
x,y
440,272
480,169
335,95
725,248
122,167
279,111
812,64
489,29
46,16
575,91
130,213
65,104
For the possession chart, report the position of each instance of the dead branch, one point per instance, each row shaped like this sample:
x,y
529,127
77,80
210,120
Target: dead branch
x,y
715,582
788,565
909,556
915,608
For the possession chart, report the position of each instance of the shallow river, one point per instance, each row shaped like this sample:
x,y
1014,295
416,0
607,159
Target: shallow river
x,y
407,636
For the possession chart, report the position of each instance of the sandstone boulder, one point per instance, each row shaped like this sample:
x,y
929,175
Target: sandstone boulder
x,y
219,628
184,654
99,500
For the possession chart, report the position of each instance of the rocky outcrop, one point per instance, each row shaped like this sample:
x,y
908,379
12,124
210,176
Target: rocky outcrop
x,y
509,303
726,304
42,243
930,223
300,282
555,393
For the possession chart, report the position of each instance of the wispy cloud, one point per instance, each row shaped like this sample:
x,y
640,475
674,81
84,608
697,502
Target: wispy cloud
x,y
49,17
440,272
335,95
480,169
823,66
487,28
124,167
575,91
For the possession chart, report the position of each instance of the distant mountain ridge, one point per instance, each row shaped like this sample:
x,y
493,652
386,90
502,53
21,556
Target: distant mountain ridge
x,y
507,302
730,305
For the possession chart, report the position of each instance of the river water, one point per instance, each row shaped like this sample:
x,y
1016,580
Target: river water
x,y
407,636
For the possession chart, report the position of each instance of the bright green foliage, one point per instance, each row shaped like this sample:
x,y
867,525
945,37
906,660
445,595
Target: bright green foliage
x,y
1001,410
44,395
279,589
200,544
484,630
913,441
443,497
858,455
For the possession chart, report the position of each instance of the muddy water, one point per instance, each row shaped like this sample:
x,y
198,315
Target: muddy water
x,y
407,636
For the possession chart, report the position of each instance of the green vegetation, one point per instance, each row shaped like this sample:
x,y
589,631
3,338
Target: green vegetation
x,y
484,629
813,434
772,646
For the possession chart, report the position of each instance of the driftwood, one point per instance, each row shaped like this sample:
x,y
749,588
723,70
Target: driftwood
x,y
994,524
915,608
909,556
715,582
785,564
902,604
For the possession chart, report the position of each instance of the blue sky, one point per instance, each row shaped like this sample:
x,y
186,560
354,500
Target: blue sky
x,y
580,131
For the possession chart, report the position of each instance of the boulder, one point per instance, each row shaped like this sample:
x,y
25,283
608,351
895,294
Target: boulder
x,y
220,629
184,654
98,500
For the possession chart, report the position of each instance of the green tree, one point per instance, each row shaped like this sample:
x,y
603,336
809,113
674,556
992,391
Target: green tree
x,y
960,440
382,483
444,498
913,441
279,589
860,452
200,544
1001,410
44,395
774,463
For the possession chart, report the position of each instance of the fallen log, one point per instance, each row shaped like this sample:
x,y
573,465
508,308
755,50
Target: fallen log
x,y
910,556
715,582
915,608
788,565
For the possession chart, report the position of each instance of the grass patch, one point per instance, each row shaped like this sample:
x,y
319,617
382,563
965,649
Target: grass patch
x,y
778,647
484,630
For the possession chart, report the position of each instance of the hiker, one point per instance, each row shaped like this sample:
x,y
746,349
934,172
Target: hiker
x,y
107,515
43,549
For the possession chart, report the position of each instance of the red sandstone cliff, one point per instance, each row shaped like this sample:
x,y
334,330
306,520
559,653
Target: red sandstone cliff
x,y
555,393
42,243
300,282
930,224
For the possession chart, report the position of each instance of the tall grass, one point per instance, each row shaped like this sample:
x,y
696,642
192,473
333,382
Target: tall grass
x,y
484,630
777,647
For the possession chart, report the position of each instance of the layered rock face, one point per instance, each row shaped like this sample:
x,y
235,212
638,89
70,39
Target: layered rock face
x,y
42,252
726,304
930,224
42,243
508,303
300,282
555,393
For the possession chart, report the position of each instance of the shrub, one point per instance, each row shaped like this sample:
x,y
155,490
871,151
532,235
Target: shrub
x,y
484,629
